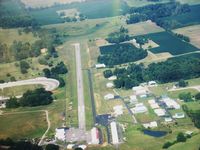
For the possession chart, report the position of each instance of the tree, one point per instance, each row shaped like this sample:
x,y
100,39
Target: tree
x,y
24,66
36,97
185,96
180,137
107,73
47,72
182,83
52,147
167,145
12,103
197,96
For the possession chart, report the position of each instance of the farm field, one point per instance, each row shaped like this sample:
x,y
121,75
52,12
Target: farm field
x,y
32,124
90,9
193,32
169,43
140,3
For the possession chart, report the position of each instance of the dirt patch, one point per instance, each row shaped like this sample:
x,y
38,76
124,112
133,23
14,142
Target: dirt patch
x,y
101,42
150,44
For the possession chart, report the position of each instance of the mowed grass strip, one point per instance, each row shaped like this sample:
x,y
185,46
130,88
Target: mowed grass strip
x,y
169,43
23,125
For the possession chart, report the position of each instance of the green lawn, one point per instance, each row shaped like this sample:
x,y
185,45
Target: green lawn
x,y
26,125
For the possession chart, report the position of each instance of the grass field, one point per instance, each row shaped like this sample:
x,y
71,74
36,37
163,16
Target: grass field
x,y
192,32
90,9
140,3
8,36
30,125
17,90
169,43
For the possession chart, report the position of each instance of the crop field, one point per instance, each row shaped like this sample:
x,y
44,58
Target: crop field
x,y
169,43
90,9
193,32
8,36
32,124
186,19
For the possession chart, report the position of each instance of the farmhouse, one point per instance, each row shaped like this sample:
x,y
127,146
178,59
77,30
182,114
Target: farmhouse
x,y
139,108
152,124
109,97
171,103
114,133
98,66
152,83
159,112
168,119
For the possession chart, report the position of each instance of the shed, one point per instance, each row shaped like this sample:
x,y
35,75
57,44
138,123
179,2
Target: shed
x,y
109,97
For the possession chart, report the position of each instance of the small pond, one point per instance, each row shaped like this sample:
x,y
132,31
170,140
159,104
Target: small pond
x,y
155,133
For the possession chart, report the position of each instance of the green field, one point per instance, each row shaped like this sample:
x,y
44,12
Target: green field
x,y
169,43
23,125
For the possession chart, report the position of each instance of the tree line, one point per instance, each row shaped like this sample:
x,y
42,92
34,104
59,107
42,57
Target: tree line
x,y
172,70
155,12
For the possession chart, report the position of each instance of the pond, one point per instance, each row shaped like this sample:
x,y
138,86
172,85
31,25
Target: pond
x,y
155,133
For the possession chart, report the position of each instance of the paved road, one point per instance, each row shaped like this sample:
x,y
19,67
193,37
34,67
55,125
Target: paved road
x,y
190,87
80,94
49,84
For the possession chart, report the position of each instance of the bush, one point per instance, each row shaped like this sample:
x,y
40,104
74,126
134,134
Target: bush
x,y
107,73
197,96
187,97
181,138
24,66
182,83
52,147
167,145
12,103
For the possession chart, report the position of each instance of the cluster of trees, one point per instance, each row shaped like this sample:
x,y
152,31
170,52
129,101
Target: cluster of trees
x,y
120,53
187,97
9,144
173,69
119,36
4,53
193,114
24,66
80,17
182,83
182,37
180,138
55,72
156,12
32,98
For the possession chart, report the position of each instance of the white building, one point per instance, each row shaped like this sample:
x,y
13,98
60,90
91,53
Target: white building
x,y
159,112
179,115
153,104
139,108
152,124
152,83
109,97
60,134
70,146
112,78
110,85
118,110
140,91
114,133
98,66
95,136
168,119
171,103
133,99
